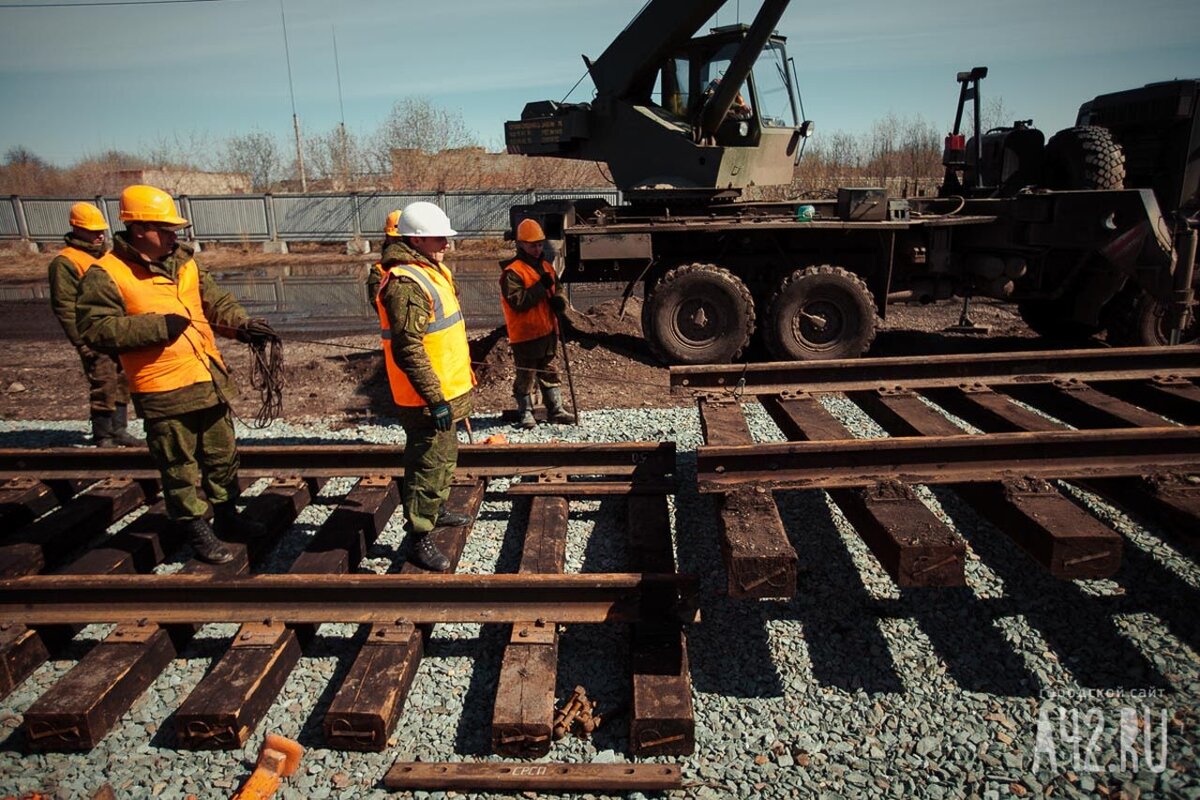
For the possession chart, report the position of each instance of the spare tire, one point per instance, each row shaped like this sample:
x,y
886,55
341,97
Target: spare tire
x,y
1086,157
698,314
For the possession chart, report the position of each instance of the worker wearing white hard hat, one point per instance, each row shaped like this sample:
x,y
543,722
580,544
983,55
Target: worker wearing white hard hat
x,y
424,341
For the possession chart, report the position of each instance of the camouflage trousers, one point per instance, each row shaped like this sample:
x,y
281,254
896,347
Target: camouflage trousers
x,y
107,384
430,457
195,450
537,370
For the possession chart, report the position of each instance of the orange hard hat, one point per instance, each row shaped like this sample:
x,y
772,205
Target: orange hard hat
x,y
391,226
88,217
530,231
141,203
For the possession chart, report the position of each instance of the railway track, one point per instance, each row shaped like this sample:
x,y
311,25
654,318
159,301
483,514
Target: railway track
x,y
56,583
1010,434
1001,430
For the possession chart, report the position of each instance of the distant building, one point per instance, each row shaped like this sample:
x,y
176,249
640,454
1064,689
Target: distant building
x,y
184,181
475,168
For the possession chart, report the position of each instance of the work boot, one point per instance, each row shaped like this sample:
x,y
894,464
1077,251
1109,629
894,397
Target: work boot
x,y
425,554
449,519
554,406
102,429
120,433
232,525
525,405
205,543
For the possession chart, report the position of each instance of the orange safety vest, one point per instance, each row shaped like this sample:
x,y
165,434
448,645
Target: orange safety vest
x,y
535,322
445,338
80,258
183,362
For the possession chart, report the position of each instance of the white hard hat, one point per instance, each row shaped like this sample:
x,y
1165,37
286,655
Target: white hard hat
x,y
424,219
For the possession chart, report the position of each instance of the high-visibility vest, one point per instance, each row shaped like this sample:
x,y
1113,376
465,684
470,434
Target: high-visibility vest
x,y
81,259
183,362
532,323
445,338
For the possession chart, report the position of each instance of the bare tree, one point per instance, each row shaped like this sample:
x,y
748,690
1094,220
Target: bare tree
x,y
254,154
416,124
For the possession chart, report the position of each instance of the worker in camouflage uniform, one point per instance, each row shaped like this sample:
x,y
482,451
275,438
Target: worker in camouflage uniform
x,y
108,390
532,303
424,340
149,302
389,254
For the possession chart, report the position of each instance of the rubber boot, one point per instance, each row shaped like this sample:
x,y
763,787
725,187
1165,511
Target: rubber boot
x,y
525,405
554,406
450,519
232,525
425,554
102,429
121,434
205,542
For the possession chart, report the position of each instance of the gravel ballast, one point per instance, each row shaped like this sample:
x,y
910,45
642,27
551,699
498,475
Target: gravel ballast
x,y
1015,685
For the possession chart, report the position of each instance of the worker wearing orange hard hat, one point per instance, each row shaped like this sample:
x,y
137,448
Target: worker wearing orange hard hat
x,y
389,254
108,389
149,302
531,299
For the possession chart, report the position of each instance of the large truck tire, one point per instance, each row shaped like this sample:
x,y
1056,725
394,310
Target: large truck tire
x,y
698,314
820,313
1085,157
1136,319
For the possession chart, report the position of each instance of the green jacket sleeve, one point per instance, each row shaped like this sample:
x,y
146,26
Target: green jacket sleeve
x,y
64,289
221,308
515,293
408,312
374,278
103,322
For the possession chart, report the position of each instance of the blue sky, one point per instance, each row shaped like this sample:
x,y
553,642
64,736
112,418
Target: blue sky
x,y
77,81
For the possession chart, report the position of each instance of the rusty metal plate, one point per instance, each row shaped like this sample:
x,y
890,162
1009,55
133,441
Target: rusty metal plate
x,y
131,634
258,634
534,633
535,777
392,635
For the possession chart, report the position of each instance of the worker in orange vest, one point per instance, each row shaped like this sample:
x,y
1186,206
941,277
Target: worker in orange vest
x,y
424,340
389,254
532,303
152,304
108,389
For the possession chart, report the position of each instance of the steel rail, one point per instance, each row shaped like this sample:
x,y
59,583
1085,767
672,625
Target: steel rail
x,y
632,459
918,372
970,458
418,599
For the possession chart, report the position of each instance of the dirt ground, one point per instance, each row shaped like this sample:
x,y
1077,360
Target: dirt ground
x,y
343,378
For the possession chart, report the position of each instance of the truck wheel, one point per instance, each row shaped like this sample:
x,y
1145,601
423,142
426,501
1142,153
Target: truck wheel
x,y
1083,158
819,313
1136,319
1052,319
698,314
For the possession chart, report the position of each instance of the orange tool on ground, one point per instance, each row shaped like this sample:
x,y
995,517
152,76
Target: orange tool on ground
x,y
277,759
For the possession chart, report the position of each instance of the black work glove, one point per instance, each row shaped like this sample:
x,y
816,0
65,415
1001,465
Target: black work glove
x,y
176,325
443,418
547,280
558,304
255,331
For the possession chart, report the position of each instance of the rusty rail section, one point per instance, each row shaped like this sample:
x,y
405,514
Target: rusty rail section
x,y
1137,445
950,459
200,599
589,468
158,615
922,372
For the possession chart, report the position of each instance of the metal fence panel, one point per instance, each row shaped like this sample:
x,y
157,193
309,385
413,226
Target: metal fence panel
x,y
374,208
8,220
47,217
314,217
230,219
478,213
